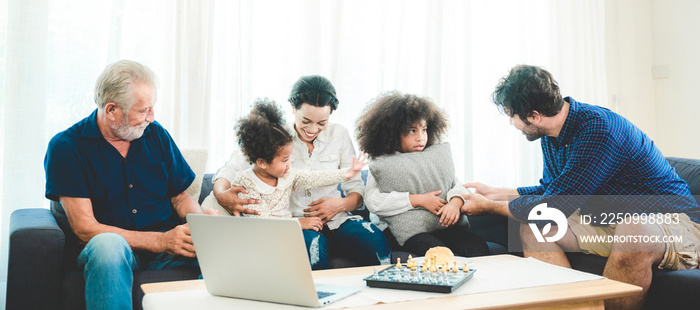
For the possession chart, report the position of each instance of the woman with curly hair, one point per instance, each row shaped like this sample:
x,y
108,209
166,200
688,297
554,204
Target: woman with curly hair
x,y
318,144
411,184
268,146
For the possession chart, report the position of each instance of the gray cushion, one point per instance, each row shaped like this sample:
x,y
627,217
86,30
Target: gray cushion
x,y
416,173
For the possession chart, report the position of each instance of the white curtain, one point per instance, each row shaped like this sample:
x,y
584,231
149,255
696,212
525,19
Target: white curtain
x,y
214,57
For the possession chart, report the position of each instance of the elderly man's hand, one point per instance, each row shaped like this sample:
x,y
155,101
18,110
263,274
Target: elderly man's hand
x,y
178,241
212,212
234,205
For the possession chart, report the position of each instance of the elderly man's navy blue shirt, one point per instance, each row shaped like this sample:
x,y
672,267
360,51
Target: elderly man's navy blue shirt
x,y
599,152
131,193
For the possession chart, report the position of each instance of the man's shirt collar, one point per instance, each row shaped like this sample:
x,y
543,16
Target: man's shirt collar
x,y
570,124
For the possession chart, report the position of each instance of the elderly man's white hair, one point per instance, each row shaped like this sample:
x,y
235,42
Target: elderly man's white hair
x,y
115,83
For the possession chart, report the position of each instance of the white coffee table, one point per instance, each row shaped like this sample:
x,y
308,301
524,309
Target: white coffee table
x,y
577,295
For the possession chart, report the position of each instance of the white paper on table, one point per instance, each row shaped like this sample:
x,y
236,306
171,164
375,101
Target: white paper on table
x,y
489,277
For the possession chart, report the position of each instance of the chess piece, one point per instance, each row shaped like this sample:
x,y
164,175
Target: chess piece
x,y
454,267
376,274
466,269
398,263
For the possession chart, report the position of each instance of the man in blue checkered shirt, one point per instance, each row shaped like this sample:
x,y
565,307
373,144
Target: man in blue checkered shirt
x,y
602,177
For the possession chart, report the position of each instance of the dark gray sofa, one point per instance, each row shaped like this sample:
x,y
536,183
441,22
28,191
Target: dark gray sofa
x,y
42,273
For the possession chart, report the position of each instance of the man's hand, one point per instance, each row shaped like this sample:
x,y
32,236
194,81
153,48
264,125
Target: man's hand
x,y
177,241
212,212
449,214
428,201
311,223
234,205
325,208
492,193
476,204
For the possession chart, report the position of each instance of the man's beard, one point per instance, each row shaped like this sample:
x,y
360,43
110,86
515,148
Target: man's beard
x,y
532,136
128,133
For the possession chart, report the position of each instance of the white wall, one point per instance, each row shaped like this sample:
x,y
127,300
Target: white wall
x,y
676,47
656,34
628,49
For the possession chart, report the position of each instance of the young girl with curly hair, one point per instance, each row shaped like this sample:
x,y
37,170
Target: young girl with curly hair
x,y
265,143
411,185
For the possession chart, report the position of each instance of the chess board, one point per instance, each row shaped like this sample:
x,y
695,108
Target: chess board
x,y
406,279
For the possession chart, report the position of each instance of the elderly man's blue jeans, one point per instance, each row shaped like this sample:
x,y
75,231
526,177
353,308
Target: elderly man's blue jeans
x,y
358,240
108,264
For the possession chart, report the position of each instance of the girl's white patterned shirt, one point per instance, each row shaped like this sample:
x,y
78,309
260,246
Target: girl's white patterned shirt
x,y
274,200
333,149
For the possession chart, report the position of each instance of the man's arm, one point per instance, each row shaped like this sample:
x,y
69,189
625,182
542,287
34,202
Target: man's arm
x,y
83,223
476,204
184,204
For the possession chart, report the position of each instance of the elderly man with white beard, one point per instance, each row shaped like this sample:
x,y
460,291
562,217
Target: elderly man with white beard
x,y
121,180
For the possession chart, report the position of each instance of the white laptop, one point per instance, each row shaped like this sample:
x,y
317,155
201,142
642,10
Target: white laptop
x,y
258,259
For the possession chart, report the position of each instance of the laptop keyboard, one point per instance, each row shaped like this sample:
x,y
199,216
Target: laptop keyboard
x,y
322,295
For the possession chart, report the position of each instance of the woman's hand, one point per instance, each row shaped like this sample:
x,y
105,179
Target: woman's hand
x,y
428,201
234,205
357,164
311,223
449,214
325,208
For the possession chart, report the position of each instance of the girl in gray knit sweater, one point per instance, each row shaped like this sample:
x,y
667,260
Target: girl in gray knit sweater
x,y
411,185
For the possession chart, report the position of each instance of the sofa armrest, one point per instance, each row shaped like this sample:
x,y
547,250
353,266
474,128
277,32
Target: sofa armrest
x,y
35,260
